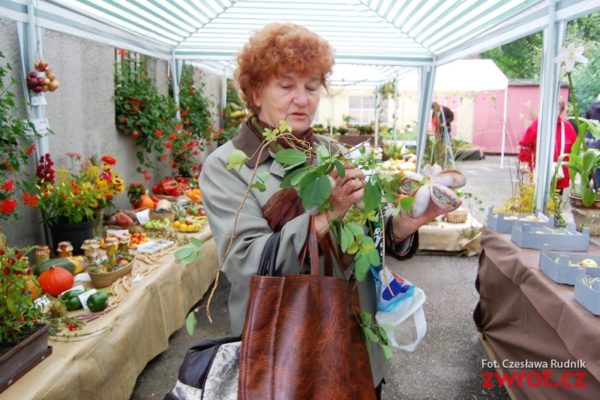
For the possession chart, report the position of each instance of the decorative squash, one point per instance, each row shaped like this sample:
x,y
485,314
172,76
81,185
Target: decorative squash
x,y
32,287
55,280
146,202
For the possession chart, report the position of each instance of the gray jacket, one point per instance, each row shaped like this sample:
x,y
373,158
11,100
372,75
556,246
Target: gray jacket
x,y
223,191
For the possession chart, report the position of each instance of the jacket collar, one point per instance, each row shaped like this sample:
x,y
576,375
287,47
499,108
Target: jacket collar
x,y
249,143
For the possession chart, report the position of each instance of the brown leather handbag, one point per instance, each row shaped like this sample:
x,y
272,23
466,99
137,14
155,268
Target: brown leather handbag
x,y
301,338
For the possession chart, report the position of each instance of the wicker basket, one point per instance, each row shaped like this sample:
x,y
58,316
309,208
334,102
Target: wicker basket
x,y
170,216
458,216
104,279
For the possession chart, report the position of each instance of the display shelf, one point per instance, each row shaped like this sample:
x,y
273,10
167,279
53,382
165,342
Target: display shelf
x,y
563,267
586,296
503,222
534,236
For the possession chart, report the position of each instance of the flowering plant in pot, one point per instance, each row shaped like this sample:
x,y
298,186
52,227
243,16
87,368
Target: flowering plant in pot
x,y
23,336
71,198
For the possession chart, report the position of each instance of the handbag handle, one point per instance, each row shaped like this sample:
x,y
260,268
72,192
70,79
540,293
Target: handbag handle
x,y
267,266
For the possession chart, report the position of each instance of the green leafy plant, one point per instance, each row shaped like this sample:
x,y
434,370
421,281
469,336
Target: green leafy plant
x,y
141,111
582,160
16,145
18,315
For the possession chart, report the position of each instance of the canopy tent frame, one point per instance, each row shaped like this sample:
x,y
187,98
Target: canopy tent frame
x,y
403,33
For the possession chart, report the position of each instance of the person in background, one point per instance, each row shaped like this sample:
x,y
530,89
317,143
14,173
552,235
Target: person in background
x,y
281,71
529,141
441,118
593,112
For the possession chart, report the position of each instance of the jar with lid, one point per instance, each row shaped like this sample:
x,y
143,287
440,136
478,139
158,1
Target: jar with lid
x,y
42,253
65,249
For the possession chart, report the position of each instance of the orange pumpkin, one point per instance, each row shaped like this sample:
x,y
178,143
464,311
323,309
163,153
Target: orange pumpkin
x,y
55,280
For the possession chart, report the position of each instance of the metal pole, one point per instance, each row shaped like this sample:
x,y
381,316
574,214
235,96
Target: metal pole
x,y
426,81
553,38
377,105
223,99
176,72
504,114
395,123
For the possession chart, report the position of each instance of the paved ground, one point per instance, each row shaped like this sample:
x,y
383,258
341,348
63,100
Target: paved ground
x,y
447,364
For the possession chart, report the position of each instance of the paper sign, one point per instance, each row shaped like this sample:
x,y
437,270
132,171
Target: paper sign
x,y
84,296
42,302
83,277
143,216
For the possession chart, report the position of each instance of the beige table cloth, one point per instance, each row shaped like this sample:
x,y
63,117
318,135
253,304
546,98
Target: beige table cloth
x,y
464,238
106,364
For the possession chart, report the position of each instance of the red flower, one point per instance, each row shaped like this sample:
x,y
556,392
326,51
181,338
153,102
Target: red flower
x,y
164,157
8,185
172,136
7,206
108,160
168,145
158,133
174,165
122,52
31,149
208,128
184,112
30,200
178,127
72,326
146,175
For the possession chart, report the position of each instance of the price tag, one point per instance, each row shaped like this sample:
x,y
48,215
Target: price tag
x,y
42,302
84,296
143,216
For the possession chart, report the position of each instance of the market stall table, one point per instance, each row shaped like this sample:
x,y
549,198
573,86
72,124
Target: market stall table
x,y
461,238
105,362
525,316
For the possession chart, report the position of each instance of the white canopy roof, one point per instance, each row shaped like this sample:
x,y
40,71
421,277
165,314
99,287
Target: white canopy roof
x,y
373,32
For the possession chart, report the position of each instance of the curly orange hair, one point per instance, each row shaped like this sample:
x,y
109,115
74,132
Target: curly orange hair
x,y
279,49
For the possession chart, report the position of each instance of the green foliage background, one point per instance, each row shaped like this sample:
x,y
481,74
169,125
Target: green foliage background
x,y
521,59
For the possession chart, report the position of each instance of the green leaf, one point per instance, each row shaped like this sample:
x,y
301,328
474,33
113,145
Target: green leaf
x,y
374,258
340,168
261,187
290,157
407,203
365,318
372,196
196,242
346,238
356,229
183,252
284,126
387,351
191,258
322,153
361,267
588,197
269,134
236,159
190,323
383,333
352,248
370,335
316,192
292,178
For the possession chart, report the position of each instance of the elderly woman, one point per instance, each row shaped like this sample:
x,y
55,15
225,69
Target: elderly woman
x,y
280,73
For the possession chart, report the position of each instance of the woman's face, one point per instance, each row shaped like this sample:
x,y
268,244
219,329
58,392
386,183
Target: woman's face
x,y
291,98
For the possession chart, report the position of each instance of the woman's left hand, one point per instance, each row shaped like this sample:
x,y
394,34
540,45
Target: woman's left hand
x,y
405,225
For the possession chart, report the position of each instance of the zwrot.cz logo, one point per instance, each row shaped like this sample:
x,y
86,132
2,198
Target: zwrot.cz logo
x,y
541,376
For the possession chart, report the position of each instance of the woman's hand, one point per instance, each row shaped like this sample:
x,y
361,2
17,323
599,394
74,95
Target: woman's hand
x,y
405,225
347,191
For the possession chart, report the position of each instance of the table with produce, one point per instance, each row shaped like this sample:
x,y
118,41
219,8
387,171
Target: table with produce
x,y
114,301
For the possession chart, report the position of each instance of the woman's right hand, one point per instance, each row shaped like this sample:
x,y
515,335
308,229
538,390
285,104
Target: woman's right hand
x,y
348,191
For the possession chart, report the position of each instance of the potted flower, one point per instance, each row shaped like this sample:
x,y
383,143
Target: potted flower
x,y
23,338
72,198
582,161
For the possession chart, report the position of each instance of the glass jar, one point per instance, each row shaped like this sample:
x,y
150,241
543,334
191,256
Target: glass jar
x,y
42,254
124,245
65,249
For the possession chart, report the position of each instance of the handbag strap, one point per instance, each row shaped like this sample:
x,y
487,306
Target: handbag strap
x,y
267,265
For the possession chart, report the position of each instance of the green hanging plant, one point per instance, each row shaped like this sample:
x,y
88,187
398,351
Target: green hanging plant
x,y
141,111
